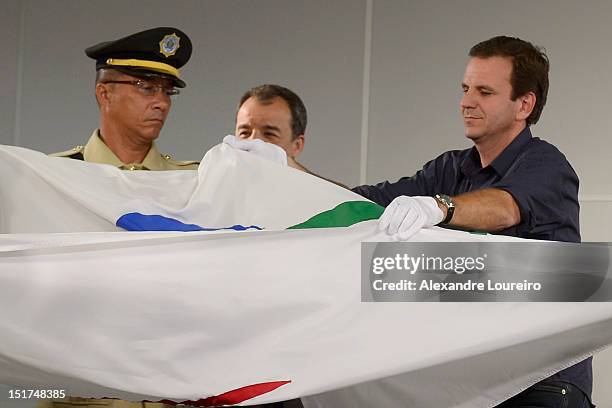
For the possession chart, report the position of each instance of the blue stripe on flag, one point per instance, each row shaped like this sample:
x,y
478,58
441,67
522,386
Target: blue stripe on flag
x,y
141,222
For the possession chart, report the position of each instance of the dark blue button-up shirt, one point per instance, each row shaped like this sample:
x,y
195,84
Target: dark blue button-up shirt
x,y
533,171
538,176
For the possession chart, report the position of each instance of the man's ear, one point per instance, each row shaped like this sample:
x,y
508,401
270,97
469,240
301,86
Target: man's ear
x,y
527,103
297,145
102,94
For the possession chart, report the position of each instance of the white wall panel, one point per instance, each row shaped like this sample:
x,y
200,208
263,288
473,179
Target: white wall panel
x,y
602,374
596,220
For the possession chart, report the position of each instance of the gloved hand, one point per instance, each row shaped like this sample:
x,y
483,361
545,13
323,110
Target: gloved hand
x,y
405,216
259,147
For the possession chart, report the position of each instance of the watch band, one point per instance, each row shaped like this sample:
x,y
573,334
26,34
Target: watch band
x,y
448,202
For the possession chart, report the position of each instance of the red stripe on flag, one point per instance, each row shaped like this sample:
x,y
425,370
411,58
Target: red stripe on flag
x,y
234,396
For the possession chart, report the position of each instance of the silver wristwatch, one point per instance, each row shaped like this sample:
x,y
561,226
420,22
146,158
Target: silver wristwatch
x,y
448,202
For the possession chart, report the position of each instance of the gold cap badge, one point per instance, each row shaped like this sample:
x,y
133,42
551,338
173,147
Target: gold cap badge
x,y
169,44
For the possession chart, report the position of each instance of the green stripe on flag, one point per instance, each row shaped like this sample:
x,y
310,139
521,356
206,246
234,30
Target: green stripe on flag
x,y
343,215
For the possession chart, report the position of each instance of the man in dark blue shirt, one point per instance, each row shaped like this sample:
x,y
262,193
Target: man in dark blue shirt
x,y
508,183
534,173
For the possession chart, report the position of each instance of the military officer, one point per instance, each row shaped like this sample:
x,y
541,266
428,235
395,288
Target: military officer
x,y
136,78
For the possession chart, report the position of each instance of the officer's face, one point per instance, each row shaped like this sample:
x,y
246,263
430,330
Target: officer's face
x,y
135,113
487,108
269,121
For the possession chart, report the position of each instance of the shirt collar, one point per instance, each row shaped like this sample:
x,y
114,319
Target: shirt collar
x,y
502,163
96,151
154,160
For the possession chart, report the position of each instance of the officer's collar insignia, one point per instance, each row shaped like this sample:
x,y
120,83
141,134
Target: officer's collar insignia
x,y
169,44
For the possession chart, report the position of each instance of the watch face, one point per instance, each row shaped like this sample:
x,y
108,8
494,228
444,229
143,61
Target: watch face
x,y
446,200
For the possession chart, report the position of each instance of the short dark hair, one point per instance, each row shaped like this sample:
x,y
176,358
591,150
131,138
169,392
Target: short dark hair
x,y
530,68
268,92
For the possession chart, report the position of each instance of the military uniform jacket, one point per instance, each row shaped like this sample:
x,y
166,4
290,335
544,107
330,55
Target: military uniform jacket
x,y
96,151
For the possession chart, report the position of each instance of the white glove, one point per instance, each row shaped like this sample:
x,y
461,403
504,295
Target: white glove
x,y
258,147
405,216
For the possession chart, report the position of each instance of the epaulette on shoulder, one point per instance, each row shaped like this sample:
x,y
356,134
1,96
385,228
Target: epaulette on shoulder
x,y
170,160
74,153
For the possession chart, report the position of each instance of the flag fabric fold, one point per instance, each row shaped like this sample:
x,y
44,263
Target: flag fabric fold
x,y
273,311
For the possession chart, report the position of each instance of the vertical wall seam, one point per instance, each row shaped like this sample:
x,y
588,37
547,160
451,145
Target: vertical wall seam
x,y
365,103
19,84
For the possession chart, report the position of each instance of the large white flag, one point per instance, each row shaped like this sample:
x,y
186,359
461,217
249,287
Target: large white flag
x,y
248,314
